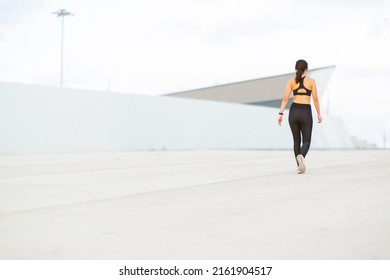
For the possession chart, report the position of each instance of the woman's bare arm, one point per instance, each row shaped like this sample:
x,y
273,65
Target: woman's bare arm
x,y
316,102
287,92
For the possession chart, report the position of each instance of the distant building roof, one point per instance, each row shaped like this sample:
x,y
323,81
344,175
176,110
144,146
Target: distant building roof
x,y
266,91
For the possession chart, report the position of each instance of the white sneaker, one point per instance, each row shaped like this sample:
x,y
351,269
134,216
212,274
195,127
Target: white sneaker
x,y
299,172
301,163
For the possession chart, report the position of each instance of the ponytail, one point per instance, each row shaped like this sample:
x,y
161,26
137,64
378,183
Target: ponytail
x,y
301,65
298,75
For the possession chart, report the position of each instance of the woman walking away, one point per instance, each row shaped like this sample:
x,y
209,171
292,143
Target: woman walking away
x,y
300,116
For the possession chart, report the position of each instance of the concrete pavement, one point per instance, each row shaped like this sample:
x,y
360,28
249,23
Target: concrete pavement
x,y
195,205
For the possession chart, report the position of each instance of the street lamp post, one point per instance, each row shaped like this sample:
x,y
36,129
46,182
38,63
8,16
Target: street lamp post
x,y
62,13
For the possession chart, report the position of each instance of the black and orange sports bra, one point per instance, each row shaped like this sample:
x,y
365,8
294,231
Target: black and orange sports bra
x,y
301,86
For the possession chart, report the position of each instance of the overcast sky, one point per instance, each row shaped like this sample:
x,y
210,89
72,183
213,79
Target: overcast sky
x,y
155,47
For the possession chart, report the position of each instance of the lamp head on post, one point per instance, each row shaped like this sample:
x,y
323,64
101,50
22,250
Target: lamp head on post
x,y
62,13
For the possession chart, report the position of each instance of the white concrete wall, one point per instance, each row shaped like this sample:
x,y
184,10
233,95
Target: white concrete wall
x,y
38,119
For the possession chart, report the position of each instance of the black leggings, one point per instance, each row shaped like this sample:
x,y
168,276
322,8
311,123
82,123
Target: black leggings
x,y
301,123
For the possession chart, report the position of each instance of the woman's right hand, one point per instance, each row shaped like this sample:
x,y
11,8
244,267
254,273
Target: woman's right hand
x,y
280,119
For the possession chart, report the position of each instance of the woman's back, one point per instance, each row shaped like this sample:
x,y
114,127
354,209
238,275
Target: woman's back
x,y
302,90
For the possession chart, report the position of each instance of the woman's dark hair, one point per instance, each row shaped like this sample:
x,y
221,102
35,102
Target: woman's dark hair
x,y
300,66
